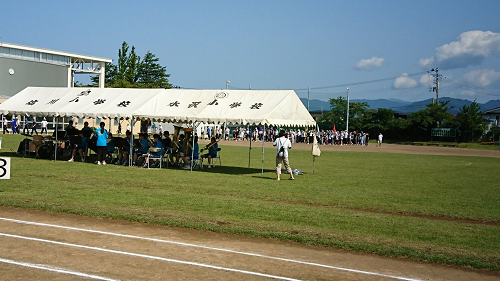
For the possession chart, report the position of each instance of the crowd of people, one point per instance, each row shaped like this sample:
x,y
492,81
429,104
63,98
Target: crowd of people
x,y
179,151
328,137
27,126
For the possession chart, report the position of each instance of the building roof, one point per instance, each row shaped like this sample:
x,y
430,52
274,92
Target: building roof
x,y
85,58
492,111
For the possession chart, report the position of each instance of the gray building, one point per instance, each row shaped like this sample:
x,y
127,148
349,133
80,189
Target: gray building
x,y
23,66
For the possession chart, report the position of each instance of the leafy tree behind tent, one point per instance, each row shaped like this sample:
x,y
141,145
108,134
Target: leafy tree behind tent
x,y
337,115
433,116
469,122
132,72
417,126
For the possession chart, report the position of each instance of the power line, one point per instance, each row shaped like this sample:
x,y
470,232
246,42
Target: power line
x,y
477,91
364,82
347,84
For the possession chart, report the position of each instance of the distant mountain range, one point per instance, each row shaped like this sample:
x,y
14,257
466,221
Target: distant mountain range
x,y
402,106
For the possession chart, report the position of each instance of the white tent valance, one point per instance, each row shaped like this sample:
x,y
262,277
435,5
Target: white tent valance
x,y
274,107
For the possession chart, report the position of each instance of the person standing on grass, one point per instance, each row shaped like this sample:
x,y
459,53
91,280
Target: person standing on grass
x,y
5,126
15,125
44,126
33,127
102,136
282,145
379,141
26,129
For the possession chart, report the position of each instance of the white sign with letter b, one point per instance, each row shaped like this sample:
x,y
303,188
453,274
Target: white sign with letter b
x,y
5,168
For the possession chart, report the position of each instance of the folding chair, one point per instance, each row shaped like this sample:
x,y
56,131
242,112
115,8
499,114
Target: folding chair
x,y
197,163
166,158
218,157
151,156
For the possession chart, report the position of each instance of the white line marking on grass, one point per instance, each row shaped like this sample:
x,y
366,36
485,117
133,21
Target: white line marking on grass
x,y
55,269
210,248
149,257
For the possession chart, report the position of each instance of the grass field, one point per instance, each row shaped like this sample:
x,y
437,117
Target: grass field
x,y
333,207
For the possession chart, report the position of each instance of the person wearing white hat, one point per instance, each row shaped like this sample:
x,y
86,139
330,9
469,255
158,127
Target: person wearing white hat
x,y
5,126
44,126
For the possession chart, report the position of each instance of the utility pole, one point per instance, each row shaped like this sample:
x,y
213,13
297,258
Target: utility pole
x,y
435,88
347,120
308,89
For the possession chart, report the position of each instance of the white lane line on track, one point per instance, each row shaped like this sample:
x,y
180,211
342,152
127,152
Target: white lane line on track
x,y
149,257
210,248
55,269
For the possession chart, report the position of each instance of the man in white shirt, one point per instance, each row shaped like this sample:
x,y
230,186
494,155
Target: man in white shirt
x,y
44,126
282,145
379,141
5,125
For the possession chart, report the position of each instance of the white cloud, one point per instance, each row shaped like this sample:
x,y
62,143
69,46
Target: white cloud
x,y
369,64
404,82
426,62
471,48
482,77
426,79
474,43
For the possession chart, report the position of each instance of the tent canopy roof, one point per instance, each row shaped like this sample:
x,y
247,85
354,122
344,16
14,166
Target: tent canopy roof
x,y
274,107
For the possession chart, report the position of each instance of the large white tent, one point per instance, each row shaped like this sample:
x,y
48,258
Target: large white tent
x,y
242,107
278,107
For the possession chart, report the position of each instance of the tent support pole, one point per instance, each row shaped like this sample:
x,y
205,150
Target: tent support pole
x,y
263,141
192,150
250,149
55,148
131,141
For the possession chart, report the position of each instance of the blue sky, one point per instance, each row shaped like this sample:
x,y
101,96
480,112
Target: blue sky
x,y
324,45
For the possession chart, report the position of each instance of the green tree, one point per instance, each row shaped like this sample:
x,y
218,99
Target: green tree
x,y
337,114
381,121
128,64
469,121
151,74
434,116
131,72
358,116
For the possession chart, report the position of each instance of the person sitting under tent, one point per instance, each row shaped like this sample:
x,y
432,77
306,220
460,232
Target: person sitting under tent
x,y
212,151
167,144
110,147
158,151
191,153
80,148
141,148
125,151
178,150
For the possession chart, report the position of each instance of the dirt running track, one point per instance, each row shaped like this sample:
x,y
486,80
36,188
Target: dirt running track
x,y
36,245
385,148
62,246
